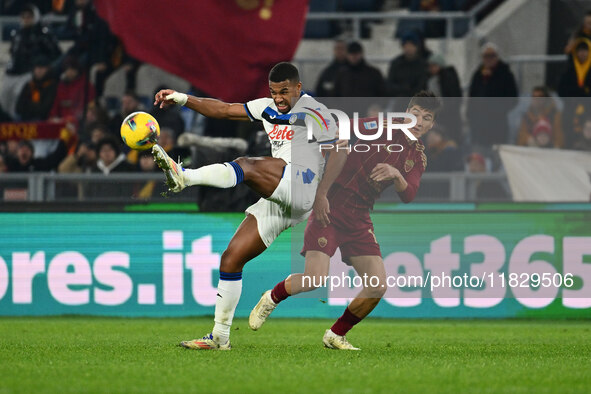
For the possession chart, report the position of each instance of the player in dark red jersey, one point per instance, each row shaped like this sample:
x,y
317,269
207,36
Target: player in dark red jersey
x,y
352,196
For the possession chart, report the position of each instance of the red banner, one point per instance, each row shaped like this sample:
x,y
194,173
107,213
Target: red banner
x,y
223,47
31,130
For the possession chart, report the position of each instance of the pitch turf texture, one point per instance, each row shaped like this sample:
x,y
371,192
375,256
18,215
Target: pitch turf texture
x,y
87,354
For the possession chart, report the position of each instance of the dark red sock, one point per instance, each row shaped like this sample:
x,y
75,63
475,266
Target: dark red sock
x,y
345,323
279,293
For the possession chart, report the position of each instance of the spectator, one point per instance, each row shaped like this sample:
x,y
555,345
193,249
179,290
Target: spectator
x,y
130,103
584,140
408,72
24,160
3,167
110,158
169,116
12,7
95,114
357,78
443,153
96,46
444,82
115,58
97,133
31,40
167,141
91,35
37,97
149,189
576,79
541,136
488,117
325,85
82,161
4,117
575,88
432,28
583,32
484,189
542,112
73,92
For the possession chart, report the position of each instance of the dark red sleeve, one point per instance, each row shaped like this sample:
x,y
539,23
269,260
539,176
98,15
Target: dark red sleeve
x,y
413,177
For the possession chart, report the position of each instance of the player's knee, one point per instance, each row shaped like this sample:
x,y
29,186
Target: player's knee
x,y
376,292
229,262
312,282
245,163
376,288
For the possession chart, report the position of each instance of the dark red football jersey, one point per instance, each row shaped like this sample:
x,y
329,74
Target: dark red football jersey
x,y
354,183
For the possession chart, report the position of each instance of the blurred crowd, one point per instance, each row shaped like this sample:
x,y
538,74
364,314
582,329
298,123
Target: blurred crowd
x,y
489,111
44,83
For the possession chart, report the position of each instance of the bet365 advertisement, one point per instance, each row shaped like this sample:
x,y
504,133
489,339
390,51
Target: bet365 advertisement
x,y
439,264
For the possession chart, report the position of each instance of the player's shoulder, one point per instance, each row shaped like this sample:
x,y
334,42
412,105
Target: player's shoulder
x,y
311,102
263,101
418,150
255,108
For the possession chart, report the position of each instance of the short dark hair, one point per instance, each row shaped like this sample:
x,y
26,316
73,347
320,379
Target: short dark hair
x,y
582,45
28,144
284,71
108,141
541,88
354,47
426,100
131,93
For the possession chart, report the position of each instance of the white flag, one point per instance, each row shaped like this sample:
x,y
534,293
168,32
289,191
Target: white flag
x,y
548,175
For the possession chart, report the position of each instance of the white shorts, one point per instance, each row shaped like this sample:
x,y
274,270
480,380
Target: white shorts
x,y
286,207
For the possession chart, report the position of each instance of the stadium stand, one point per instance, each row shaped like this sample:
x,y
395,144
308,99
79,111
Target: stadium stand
x,y
446,66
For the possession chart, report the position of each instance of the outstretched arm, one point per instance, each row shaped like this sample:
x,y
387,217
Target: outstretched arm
x,y
209,107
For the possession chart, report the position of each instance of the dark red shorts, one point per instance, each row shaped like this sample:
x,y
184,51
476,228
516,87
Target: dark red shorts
x,y
351,230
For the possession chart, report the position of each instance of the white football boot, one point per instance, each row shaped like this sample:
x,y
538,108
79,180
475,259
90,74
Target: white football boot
x,y
261,311
206,343
173,171
334,341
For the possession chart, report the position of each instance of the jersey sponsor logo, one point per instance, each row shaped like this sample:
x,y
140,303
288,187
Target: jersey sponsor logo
x,y
281,134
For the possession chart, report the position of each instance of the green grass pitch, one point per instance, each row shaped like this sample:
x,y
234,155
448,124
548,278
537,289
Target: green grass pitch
x,y
88,354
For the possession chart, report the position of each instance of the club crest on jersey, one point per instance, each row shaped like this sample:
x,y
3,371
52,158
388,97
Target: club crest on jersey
x,y
408,165
322,242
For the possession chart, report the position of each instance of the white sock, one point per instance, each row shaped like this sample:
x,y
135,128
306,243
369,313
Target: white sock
x,y
228,296
217,175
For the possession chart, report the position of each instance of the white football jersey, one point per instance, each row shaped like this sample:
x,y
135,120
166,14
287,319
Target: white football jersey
x,y
288,133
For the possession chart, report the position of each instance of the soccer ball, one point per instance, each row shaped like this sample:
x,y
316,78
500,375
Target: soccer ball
x,y
140,131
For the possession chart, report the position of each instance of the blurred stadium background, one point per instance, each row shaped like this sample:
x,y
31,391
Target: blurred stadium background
x,y
84,229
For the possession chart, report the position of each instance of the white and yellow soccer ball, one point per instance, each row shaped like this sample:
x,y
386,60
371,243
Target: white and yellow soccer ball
x,y
140,131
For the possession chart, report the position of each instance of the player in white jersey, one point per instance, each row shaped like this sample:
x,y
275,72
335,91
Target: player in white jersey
x,y
289,186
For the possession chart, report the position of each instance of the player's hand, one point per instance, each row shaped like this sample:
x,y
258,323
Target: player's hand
x,y
384,172
321,210
167,97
